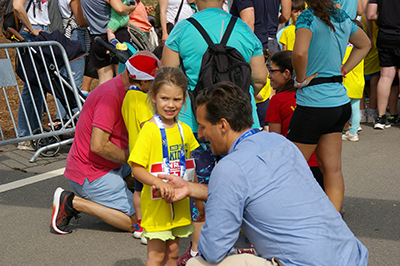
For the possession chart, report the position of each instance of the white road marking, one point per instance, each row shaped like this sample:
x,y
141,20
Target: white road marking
x,y
31,180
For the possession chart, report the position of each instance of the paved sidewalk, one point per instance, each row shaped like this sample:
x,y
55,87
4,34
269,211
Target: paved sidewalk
x,y
371,170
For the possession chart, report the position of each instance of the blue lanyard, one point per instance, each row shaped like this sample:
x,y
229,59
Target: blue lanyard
x,y
246,134
135,88
182,159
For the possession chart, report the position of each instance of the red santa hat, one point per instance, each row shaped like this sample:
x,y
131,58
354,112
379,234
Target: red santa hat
x,y
142,67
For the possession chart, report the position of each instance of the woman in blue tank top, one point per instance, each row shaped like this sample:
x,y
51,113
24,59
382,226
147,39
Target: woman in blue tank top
x,y
322,34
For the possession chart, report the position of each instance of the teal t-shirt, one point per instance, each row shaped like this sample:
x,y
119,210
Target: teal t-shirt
x,y
191,46
325,57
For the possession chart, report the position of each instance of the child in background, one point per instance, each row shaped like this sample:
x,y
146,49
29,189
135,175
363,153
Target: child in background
x,y
164,145
141,68
283,103
288,34
354,83
117,21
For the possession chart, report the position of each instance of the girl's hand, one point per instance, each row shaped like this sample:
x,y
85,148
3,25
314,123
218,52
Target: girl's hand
x,y
166,190
181,189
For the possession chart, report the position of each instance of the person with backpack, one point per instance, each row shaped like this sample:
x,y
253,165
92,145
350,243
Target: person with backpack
x,y
186,43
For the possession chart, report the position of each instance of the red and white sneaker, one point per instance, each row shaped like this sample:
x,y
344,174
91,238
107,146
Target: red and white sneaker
x,y
138,230
181,260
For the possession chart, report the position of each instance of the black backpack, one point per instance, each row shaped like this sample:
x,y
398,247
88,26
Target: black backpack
x,y
220,63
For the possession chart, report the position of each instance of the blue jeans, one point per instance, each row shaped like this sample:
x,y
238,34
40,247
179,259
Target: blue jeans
x,y
27,100
77,67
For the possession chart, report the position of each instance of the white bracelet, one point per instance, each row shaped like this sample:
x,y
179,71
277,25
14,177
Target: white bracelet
x,y
300,85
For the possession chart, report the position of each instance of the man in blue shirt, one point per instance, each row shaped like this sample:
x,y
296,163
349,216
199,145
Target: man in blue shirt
x,y
264,187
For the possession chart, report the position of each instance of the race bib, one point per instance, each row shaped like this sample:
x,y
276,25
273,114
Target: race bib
x,y
157,168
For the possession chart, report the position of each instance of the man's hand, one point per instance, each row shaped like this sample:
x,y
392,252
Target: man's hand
x,y
165,189
178,184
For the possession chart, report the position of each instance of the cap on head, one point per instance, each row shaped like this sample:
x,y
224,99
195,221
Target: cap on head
x,y
142,66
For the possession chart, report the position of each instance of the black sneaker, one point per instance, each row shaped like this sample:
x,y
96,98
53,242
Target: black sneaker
x,y
381,122
62,211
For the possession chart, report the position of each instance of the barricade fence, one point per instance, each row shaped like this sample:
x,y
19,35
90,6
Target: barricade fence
x,y
43,109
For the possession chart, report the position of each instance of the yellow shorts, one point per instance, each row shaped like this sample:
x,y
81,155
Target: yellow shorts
x,y
182,231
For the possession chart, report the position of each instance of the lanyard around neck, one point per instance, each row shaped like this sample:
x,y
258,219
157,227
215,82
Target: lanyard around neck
x,y
246,134
182,160
134,88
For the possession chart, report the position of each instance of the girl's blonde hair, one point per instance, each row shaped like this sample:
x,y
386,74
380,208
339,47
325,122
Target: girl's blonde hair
x,y
170,76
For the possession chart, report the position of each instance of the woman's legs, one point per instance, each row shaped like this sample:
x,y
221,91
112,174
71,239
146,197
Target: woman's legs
x,y
329,151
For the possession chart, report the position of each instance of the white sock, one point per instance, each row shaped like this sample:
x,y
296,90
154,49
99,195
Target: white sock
x,y
362,112
193,253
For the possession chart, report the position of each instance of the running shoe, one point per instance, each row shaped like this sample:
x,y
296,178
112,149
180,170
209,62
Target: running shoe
x,y
350,137
62,211
381,122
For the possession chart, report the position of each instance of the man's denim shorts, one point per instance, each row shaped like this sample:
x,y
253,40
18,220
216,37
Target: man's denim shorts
x,y
110,190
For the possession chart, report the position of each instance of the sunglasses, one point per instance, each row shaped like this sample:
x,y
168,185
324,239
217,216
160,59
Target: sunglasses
x,y
274,70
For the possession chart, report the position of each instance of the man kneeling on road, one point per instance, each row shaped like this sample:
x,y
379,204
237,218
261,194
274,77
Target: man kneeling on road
x,y
96,163
265,187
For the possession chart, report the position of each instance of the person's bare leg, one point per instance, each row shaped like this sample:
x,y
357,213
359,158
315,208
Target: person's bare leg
x,y
384,85
110,216
196,234
155,252
306,149
329,151
171,252
372,92
87,82
110,34
136,204
105,73
393,99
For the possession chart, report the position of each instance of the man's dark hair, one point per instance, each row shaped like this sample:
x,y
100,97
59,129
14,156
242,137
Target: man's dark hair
x,y
226,100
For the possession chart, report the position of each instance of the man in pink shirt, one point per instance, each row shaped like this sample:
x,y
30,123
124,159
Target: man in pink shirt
x,y
96,163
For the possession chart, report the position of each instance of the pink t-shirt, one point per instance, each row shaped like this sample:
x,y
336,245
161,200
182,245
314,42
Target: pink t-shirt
x,y
139,18
102,109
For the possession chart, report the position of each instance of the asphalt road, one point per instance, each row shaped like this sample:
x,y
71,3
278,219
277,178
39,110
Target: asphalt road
x,y
371,170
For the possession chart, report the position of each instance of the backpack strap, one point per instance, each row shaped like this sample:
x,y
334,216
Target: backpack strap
x,y
228,30
202,31
177,13
206,37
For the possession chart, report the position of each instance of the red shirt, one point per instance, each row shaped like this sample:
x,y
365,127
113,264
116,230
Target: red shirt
x,y
102,109
280,111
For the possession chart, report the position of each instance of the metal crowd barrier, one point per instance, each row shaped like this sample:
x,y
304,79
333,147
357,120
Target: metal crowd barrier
x,y
46,138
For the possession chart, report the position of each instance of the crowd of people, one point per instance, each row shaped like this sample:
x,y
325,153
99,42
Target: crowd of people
x,y
150,160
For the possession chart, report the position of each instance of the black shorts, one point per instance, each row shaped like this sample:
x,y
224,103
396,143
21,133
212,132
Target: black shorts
x,y
308,124
138,185
98,54
389,57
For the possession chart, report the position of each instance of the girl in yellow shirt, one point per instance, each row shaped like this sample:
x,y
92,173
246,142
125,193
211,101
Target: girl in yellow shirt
x,y
164,145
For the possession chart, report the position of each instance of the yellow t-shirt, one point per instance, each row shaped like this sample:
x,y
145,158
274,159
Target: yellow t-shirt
x,y
354,80
371,60
156,213
265,92
135,110
288,37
